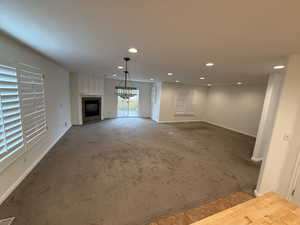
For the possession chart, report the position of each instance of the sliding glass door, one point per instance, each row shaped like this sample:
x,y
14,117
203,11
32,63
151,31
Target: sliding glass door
x,y
128,107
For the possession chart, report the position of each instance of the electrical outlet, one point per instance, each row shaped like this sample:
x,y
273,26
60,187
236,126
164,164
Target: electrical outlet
x,y
66,124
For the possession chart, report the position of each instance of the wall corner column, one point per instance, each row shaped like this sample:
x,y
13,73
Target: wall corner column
x,y
276,169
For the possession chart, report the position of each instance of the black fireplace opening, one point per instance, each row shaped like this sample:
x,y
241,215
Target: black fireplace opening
x,y
91,109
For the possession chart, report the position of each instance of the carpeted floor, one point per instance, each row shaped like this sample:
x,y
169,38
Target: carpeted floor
x,y
132,172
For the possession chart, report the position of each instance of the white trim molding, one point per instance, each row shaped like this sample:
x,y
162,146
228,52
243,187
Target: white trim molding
x,y
214,124
179,121
255,159
256,193
232,129
157,121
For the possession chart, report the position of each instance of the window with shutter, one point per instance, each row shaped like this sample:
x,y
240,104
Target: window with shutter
x,y
11,129
22,108
32,95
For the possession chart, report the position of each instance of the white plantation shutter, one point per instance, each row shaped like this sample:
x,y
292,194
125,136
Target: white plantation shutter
x,y
22,108
32,94
11,132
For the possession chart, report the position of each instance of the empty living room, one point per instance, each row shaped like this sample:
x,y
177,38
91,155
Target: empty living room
x,y
149,112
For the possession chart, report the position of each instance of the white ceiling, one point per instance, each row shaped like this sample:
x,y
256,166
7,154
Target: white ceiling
x,y
243,38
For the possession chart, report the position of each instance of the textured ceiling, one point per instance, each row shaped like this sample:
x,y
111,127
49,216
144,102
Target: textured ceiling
x,y
243,38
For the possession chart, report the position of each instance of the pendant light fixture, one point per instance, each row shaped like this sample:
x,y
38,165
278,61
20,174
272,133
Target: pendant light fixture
x,y
124,91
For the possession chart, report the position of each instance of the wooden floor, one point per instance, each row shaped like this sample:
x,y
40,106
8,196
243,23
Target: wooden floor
x,y
192,215
269,209
239,209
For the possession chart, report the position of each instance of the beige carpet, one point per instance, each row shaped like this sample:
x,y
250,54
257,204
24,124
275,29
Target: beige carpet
x,y
132,172
196,214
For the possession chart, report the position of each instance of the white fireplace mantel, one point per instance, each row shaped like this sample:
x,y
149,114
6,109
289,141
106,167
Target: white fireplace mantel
x,y
84,85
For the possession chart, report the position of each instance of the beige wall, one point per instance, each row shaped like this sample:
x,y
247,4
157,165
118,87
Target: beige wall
x,y
155,101
57,110
284,148
266,124
169,92
235,107
74,92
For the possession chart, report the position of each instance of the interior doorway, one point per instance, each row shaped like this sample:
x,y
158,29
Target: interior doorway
x,y
128,107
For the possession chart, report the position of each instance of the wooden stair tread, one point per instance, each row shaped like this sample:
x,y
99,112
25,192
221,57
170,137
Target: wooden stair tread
x,y
196,214
269,209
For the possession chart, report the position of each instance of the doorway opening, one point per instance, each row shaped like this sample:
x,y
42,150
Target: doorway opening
x,y
128,107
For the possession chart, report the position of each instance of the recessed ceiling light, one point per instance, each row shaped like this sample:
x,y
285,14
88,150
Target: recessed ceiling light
x,y
132,50
177,81
278,67
114,75
170,74
120,67
202,78
208,85
239,83
209,64
151,78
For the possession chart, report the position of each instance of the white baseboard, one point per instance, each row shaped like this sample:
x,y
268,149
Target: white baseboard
x,y
28,170
154,120
118,117
215,124
229,128
257,193
179,121
254,159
